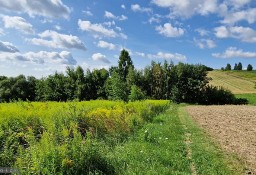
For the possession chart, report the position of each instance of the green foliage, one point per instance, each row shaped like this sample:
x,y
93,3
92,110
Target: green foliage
x,y
228,67
249,67
220,96
239,66
68,138
116,88
124,63
136,94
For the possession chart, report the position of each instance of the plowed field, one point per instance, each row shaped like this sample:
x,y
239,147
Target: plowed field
x,y
233,127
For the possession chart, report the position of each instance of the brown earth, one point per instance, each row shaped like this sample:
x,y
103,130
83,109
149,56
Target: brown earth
x,y
233,127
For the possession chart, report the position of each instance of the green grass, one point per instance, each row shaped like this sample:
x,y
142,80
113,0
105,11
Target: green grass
x,y
250,97
250,75
238,82
160,148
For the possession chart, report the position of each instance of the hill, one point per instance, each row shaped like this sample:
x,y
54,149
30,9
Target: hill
x,y
238,82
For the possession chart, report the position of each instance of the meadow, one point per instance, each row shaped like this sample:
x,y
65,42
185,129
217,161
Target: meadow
x,y
238,82
106,137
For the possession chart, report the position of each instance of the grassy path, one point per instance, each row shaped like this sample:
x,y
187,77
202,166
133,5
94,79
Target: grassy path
x,y
172,144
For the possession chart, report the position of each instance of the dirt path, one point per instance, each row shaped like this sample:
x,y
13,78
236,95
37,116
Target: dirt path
x,y
234,127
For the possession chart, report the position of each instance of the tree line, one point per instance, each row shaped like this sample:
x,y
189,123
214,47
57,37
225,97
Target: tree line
x,y
238,66
179,83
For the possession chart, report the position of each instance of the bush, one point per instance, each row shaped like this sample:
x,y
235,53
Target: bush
x,y
136,94
219,95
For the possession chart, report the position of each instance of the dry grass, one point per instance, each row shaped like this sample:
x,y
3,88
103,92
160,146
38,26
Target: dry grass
x,y
234,128
234,83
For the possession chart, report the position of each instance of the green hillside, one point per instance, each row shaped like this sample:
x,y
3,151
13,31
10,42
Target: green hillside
x,y
238,82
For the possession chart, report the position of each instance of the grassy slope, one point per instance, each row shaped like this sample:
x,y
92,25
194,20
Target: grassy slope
x,y
172,144
238,82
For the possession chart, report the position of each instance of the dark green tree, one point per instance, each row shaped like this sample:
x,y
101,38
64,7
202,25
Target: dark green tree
x,y
124,63
228,67
239,66
235,67
249,67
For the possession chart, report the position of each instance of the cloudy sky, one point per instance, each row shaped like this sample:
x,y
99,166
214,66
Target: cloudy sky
x,y
39,37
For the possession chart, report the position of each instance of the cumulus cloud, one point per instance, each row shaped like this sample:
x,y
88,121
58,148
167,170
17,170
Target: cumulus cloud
x,y
169,31
205,43
168,56
138,8
100,57
18,23
245,34
99,29
246,15
45,8
57,40
187,8
112,16
104,44
7,47
41,57
96,28
233,52
123,6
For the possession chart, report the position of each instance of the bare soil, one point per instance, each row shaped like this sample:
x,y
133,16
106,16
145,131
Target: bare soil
x,y
233,127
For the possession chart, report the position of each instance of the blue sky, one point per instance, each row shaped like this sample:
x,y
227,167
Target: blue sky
x,y
39,37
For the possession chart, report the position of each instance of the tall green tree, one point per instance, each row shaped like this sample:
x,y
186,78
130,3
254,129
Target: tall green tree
x,y
228,67
249,67
116,88
235,67
239,66
124,63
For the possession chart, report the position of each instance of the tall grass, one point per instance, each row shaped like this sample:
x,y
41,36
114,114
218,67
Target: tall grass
x,y
68,138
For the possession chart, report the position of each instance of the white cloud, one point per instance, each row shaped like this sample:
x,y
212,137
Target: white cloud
x,y
100,57
57,40
141,54
246,15
57,27
244,34
104,44
112,16
233,52
205,43
96,28
187,8
202,32
7,47
169,31
41,57
87,13
109,15
46,8
138,8
123,6
18,23
168,56
237,3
